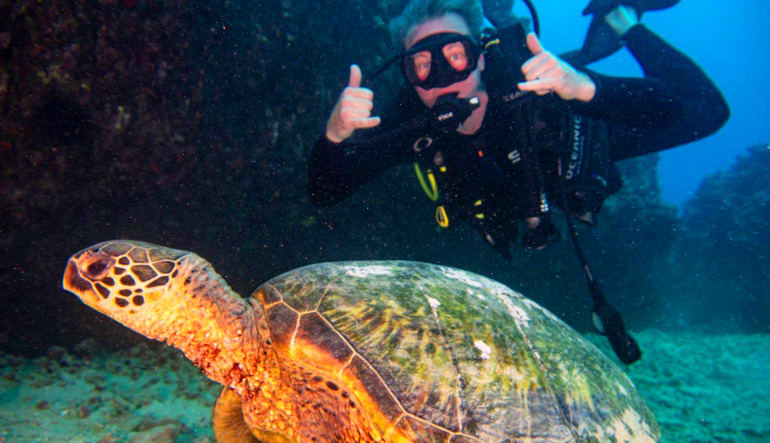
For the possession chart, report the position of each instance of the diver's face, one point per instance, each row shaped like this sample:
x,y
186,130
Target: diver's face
x,y
453,23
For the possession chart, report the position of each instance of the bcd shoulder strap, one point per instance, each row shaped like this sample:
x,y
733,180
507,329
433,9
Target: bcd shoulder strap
x,y
589,174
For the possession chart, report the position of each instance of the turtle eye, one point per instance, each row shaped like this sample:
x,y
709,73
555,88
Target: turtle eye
x,y
97,267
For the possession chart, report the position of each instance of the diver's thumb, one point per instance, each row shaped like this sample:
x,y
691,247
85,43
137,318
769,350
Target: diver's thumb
x,y
534,44
355,76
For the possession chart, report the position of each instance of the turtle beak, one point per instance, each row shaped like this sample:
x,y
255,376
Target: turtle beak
x,y
76,284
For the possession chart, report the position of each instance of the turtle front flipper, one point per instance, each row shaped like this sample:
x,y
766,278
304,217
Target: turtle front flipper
x,y
228,421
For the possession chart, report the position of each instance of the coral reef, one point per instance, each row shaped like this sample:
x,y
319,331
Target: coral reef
x,y
182,122
730,208
96,94
726,245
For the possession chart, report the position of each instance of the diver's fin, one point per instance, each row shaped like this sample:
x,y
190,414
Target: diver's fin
x,y
602,7
602,41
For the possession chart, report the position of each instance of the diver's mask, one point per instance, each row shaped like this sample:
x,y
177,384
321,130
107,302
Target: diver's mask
x,y
440,60
436,61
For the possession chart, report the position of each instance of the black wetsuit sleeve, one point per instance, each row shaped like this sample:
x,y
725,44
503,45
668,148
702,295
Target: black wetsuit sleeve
x,y
651,100
674,103
336,170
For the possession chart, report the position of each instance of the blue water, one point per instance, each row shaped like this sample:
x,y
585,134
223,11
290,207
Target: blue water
x,y
728,39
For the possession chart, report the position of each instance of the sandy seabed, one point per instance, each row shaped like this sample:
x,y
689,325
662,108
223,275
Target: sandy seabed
x,y
702,388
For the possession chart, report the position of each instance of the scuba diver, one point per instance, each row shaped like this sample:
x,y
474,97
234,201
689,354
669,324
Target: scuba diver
x,y
501,130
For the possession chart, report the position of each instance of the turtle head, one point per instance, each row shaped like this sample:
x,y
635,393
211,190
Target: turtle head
x,y
133,282
169,295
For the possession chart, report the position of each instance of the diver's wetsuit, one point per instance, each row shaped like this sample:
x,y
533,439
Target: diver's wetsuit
x,y
511,164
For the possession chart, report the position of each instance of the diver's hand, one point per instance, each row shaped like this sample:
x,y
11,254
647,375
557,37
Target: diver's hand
x,y
353,109
541,232
547,73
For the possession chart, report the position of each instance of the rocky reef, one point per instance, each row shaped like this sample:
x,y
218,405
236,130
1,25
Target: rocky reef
x,y
726,245
168,120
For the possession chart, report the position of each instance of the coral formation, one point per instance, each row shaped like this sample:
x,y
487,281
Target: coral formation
x,y
170,120
726,244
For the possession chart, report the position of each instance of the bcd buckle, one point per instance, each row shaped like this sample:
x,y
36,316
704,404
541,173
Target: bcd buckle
x,y
442,218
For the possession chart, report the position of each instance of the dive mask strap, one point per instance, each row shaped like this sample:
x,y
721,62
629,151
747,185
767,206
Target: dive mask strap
x,y
388,63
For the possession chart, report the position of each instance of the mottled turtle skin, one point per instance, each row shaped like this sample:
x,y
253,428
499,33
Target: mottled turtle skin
x,y
392,351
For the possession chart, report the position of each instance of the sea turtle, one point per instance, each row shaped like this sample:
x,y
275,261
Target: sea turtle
x,y
368,351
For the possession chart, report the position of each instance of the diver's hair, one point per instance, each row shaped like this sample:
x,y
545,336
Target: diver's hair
x,y
419,11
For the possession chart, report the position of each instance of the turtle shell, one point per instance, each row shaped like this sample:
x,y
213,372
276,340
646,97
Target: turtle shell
x,y
434,353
